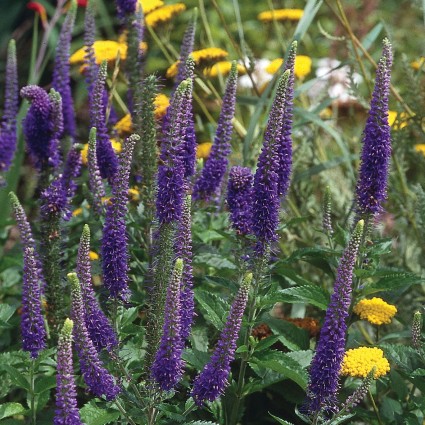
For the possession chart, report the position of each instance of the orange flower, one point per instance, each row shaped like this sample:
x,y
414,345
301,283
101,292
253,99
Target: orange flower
x,y
40,9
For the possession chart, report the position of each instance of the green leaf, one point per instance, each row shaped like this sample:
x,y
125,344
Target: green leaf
x,y
290,335
395,280
282,269
208,236
198,359
213,260
214,307
309,294
44,383
6,312
201,423
94,415
16,377
11,409
280,421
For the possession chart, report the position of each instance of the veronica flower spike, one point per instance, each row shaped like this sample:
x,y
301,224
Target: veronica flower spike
x,y
100,330
324,370
213,379
66,395
213,172
167,367
8,123
266,203
99,381
376,152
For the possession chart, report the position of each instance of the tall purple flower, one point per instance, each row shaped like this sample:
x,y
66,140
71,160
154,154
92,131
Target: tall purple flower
x,y
171,187
99,381
167,368
38,127
32,323
265,208
125,7
324,370
8,123
239,197
106,157
98,326
71,171
91,67
215,168
114,240
376,151
95,180
66,412
61,75
213,379
54,201
183,250
284,150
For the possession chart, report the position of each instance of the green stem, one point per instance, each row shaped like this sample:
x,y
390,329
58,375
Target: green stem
x,y
32,393
124,413
375,409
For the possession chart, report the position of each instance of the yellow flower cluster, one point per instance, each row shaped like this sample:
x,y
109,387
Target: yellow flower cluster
x,y
281,15
223,68
161,102
375,311
302,66
358,362
402,118
93,256
418,64
201,57
150,5
103,50
203,150
164,14
85,151
420,148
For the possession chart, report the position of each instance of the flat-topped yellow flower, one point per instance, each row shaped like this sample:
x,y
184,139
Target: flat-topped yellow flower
x,y
161,103
203,57
203,150
302,66
164,14
358,362
223,68
420,63
401,122
420,148
103,50
93,255
77,212
375,311
85,151
281,15
150,5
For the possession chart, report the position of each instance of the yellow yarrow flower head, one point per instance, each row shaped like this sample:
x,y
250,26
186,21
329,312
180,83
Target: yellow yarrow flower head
x,y
150,5
302,66
418,64
420,148
281,15
402,119
164,14
85,151
375,311
77,212
358,362
203,57
223,68
93,256
103,50
203,150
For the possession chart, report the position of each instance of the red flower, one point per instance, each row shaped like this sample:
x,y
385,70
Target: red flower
x,y
40,9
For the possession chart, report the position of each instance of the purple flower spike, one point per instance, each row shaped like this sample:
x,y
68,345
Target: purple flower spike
x,y
183,250
95,179
284,150
54,200
376,151
61,75
265,209
106,158
167,368
99,381
114,240
213,379
98,326
171,187
91,67
32,323
38,127
213,172
66,412
239,197
71,172
324,370
8,123
126,7
186,49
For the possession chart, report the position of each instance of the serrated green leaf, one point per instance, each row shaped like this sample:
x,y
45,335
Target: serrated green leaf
x,y
198,359
171,412
94,415
290,335
6,312
309,294
266,342
11,409
44,383
16,377
201,423
281,268
391,282
214,307
280,421
213,260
